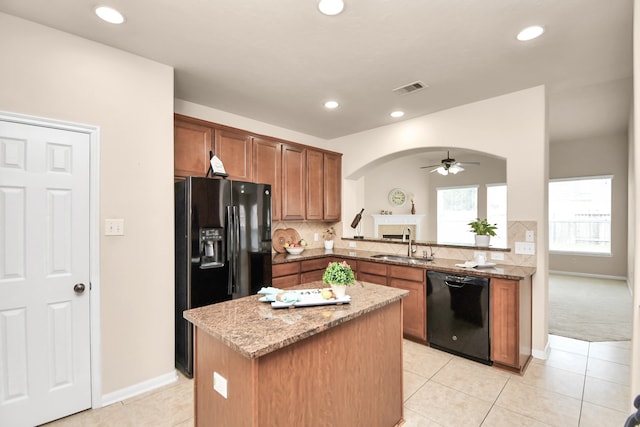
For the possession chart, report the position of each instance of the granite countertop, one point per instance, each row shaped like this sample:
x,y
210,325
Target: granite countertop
x,y
254,328
503,271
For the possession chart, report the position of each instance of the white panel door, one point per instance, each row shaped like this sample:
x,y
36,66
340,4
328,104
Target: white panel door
x,y
44,254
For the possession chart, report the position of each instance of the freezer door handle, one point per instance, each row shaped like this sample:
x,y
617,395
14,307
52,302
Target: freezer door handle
x,y
230,248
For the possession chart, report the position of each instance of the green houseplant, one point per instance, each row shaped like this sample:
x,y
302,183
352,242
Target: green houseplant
x,y
483,231
339,275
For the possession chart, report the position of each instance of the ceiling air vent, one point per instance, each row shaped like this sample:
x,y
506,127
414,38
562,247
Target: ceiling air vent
x,y
410,88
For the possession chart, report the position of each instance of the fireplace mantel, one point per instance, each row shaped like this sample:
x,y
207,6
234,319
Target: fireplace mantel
x,y
379,220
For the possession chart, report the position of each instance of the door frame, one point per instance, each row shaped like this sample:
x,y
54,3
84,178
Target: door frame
x,y
93,133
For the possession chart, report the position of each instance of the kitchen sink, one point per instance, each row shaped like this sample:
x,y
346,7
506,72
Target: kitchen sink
x,y
398,258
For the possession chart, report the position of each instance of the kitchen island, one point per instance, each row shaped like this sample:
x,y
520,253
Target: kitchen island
x,y
330,365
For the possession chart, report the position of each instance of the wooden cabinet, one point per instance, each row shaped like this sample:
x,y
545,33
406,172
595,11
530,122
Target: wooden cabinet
x,y
267,169
332,209
414,306
315,184
234,149
293,182
324,185
192,143
510,302
305,182
372,272
313,269
285,275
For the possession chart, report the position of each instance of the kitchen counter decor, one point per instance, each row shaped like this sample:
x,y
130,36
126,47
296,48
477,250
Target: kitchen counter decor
x,y
338,275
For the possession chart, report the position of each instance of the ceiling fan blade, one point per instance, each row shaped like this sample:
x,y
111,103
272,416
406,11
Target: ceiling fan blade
x,y
430,166
468,163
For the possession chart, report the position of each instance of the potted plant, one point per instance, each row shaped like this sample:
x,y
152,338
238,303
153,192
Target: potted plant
x,y
483,231
328,236
338,275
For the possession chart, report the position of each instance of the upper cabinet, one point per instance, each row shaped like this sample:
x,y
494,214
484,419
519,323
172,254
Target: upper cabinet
x,y
324,176
305,181
192,143
234,149
293,182
332,209
267,168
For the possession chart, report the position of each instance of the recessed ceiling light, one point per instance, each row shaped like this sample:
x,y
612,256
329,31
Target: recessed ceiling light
x,y
109,14
530,33
331,7
396,114
331,105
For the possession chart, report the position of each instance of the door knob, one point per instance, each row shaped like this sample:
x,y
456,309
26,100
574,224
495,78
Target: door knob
x,y
78,288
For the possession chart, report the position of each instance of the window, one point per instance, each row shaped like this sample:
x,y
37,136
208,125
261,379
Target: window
x,y
457,206
580,215
497,212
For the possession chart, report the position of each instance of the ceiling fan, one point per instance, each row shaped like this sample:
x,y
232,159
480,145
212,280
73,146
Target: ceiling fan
x,y
449,165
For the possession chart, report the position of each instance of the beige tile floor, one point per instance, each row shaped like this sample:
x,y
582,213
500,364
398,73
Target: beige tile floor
x,y
581,384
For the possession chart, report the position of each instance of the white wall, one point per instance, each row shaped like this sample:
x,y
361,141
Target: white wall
x,y
51,74
634,209
228,119
512,126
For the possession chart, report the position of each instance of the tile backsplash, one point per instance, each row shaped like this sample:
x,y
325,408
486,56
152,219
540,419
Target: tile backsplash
x,y
516,233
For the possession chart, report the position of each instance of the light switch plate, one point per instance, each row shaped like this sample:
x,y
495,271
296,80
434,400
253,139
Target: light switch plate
x,y
352,244
497,256
114,227
525,248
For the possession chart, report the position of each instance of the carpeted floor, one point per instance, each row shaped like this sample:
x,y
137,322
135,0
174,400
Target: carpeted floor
x,y
589,309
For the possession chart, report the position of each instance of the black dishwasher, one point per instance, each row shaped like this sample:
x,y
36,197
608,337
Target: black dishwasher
x,y
458,315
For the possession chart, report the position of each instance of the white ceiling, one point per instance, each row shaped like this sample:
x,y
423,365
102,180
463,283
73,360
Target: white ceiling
x,y
277,61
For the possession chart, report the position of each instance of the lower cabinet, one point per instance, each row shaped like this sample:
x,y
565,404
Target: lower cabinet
x,y
372,272
510,314
313,269
414,305
285,275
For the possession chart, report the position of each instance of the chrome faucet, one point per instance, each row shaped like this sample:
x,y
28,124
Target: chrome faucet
x,y
410,249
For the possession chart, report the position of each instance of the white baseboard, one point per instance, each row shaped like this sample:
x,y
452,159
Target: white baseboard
x,y
136,389
595,276
542,354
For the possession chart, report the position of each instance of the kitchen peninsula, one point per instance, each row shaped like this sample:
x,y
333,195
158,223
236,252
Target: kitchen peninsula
x,y
323,365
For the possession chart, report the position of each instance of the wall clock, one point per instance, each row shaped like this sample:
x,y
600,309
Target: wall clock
x,y
397,197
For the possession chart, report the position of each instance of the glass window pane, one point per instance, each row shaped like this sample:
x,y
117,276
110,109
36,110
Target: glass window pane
x,y
457,207
580,215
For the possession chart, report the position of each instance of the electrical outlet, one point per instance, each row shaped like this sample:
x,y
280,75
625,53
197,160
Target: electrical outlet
x,y
315,237
525,248
529,237
114,227
497,256
352,244
220,384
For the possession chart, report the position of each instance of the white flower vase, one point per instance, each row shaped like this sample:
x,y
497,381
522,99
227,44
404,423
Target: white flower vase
x,y
328,244
339,291
482,240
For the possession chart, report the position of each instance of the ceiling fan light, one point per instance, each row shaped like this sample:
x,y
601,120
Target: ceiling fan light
x,y
442,170
455,169
331,7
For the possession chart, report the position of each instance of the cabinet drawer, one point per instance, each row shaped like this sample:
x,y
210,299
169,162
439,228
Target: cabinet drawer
x,y
285,281
314,264
372,278
311,276
285,269
372,268
407,273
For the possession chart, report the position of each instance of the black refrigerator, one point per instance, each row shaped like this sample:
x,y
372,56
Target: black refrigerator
x,y
222,246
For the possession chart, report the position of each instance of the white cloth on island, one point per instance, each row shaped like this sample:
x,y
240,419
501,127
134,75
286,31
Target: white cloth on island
x,y
271,293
